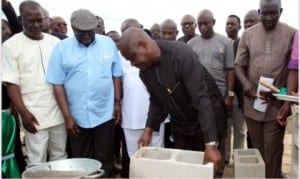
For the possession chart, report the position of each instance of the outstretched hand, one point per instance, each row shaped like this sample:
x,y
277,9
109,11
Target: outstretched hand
x,y
145,139
212,154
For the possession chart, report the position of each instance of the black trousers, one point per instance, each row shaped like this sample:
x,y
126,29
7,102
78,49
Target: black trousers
x,y
125,157
96,143
117,141
18,149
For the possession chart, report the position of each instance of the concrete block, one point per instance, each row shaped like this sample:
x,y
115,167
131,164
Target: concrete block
x,y
295,128
154,162
248,163
295,140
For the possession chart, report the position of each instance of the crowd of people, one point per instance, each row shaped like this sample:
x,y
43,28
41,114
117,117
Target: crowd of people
x,y
104,95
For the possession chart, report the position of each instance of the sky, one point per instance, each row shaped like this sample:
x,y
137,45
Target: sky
x,y
114,12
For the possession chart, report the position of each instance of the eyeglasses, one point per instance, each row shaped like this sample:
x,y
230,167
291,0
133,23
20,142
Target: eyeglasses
x,y
187,24
61,24
83,33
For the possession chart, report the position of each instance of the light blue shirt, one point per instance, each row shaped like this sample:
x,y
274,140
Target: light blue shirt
x,y
86,73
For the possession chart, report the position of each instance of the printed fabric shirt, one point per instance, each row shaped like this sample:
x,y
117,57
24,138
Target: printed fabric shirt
x,y
87,75
24,63
265,53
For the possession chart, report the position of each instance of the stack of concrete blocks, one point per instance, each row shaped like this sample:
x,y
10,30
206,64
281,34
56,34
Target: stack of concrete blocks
x,y
154,162
295,145
248,163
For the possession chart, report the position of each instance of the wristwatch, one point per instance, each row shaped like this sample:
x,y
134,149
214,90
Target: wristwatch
x,y
230,93
215,143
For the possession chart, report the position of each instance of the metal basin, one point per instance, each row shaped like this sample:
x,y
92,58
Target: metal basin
x,y
67,168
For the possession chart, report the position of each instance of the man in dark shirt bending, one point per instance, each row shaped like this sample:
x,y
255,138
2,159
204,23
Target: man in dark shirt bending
x,y
178,84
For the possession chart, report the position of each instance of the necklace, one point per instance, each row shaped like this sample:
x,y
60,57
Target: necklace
x,y
169,90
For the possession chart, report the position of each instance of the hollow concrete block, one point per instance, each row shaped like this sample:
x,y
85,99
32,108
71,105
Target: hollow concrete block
x,y
248,163
154,162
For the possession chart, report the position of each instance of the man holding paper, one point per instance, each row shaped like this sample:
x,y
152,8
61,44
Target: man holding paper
x,y
263,53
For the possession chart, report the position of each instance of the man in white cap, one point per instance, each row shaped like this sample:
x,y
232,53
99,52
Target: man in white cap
x,y
85,72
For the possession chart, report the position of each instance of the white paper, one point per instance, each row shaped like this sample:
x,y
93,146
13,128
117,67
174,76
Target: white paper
x,y
258,103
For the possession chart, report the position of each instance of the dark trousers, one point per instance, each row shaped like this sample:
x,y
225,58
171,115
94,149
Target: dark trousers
x,y
268,137
118,141
168,143
18,148
125,157
96,143
249,143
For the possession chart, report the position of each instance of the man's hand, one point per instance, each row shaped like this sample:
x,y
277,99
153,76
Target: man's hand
x,y
145,139
72,127
249,90
212,154
267,96
228,103
283,113
117,113
294,93
29,121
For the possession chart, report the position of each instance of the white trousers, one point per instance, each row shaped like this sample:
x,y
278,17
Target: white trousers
x,y
132,137
50,141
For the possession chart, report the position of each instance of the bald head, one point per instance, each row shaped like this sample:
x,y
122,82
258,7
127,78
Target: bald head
x,y
276,3
58,25
206,23
270,11
139,48
130,37
28,4
155,31
251,18
188,18
129,23
206,13
155,26
168,23
45,12
46,21
188,26
168,30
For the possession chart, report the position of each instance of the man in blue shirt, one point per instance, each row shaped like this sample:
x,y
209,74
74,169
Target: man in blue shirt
x,y
85,71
